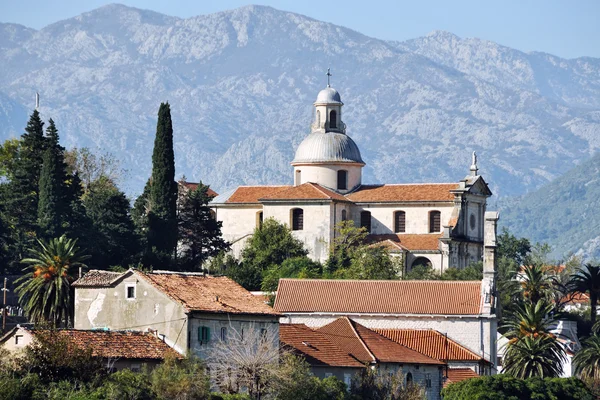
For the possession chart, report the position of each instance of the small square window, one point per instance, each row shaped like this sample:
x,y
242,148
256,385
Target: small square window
x,y
131,292
19,339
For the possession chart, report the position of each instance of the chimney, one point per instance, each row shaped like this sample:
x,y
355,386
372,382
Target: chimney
x,y
490,269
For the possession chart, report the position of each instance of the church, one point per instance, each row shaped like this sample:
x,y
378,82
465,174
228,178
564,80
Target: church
x,y
437,224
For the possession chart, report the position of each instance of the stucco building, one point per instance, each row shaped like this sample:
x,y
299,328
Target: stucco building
x,y
431,223
189,311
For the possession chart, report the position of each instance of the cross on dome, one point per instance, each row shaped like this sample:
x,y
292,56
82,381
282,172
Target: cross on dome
x,y
329,75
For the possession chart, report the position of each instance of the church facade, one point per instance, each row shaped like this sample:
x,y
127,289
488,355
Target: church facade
x,y
440,224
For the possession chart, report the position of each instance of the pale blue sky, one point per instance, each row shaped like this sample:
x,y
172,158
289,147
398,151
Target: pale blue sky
x,y
569,28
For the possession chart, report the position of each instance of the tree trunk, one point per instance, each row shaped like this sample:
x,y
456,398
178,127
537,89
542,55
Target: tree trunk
x,y
593,304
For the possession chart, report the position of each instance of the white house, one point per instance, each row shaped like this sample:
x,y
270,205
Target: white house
x,y
428,223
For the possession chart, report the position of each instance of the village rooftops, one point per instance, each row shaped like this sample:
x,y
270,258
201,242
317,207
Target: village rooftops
x,y
111,344
378,297
194,291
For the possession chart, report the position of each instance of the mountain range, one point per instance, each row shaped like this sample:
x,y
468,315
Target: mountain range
x,y
241,85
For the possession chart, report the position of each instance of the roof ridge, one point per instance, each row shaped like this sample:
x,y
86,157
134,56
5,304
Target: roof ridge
x,y
378,280
360,339
321,189
410,184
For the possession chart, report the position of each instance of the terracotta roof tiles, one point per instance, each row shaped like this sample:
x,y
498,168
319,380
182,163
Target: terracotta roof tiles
x,y
194,185
368,346
208,293
97,278
315,346
401,193
378,297
427,241
431,343
306,191
459,374
251,194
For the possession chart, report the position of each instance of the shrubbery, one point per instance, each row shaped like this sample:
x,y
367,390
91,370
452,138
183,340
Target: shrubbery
x,y
509,388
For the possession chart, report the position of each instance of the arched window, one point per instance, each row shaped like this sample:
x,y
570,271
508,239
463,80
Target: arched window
x,y
297,219
333,119
399,222
318,118
259,219
421,262
342,182
365,220
409,378
344,217
434,222
298,178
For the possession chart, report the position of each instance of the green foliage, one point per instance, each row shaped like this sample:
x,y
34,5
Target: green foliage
x,y
180,379
294,380
162,214
53,206
505,387
421,272
199,232
9,151
370,263
45,292
28,387
473,272
115,241
298,267
370,384
270,245
587,280
587,360
534,356
347,239
125,384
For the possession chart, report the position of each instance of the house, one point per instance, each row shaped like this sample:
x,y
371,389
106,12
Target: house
x,y
117,349
465,311
344,346
189,311
437,224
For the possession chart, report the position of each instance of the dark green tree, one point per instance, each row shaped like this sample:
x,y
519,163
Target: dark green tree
x,y
162,213
199,231
53,206
115,241
587,280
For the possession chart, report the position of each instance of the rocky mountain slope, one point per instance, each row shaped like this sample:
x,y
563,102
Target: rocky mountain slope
x,y
563,213
241,84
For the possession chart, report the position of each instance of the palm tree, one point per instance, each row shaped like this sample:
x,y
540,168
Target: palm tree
x,y
529,320
536,282
529,356
587,280
587,360
45,293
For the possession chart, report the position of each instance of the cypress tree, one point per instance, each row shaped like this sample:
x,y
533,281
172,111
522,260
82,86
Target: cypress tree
x,y
53,206
162,215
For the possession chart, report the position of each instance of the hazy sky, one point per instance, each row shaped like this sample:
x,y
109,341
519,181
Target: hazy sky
x,y
569,28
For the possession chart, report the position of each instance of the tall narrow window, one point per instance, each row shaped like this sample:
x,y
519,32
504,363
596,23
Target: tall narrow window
x,y
344,217
203,334
434,221
342,182
297,219
298,178
223,334
409,378
333,119
399,222
259,219
318,118
365,220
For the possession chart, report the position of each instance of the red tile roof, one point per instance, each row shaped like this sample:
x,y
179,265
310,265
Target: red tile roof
x,y
251,194
373,297
459,374
315,346
118,344
306,191
194,185
427,241
431,343
97,278
400,193
369,346
198,292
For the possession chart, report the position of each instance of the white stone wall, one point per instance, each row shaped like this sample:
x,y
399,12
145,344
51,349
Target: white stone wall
x,y
318,225
326,175
417,216
475,333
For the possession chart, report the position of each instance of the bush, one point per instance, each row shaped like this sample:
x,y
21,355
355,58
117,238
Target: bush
x,y
506,387
125,384
180,379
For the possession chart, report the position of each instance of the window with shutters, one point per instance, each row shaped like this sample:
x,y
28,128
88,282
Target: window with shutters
x,y
203,335
365,220
297,219
434,221
342,180
399,222
333,119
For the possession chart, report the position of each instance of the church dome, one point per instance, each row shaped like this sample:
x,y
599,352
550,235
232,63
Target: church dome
x,y
327,147
328,96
